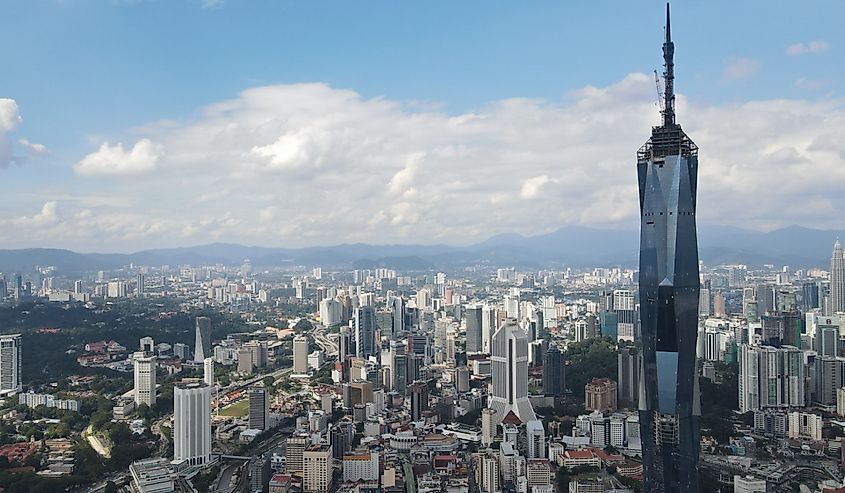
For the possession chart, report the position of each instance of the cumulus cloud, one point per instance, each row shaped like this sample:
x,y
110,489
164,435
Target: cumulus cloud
x,y
48,215
115,160
817,46
742,68
311,164
10,118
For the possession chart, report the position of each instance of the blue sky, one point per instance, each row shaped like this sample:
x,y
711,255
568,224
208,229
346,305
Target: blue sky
x,y
84,73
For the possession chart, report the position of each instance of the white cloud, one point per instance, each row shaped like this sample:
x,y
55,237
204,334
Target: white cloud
x,y
48,215
10,118
33,147
531,187
742,68
337,167
115,160
817,46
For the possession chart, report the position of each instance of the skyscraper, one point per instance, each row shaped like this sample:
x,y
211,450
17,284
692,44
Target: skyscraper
x,y
628,372
474,329
208,371
259,406
837,280
667,170
365,331
145,378
300,355
510,373
554,372
192,424
202,345
10,363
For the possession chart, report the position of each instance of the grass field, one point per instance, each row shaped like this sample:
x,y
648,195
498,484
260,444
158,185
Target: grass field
x,y
237,409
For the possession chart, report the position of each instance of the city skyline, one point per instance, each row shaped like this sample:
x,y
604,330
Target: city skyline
x,y
117,182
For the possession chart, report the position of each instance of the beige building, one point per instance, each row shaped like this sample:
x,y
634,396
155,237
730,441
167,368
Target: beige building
x,y
600,395
317,469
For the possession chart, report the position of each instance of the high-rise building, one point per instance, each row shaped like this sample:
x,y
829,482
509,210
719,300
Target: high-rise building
x,y
139,285
192,424
294,448
365,331
488,426
554,372
510,373
317,469
202,345
208,371
536,440
10,363
600,395
145,378
259,406
771,377
837,280
474,329
398,310
300,355
628,376
147,345
670,411
419,399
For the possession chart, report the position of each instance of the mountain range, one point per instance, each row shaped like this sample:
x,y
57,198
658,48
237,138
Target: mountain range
x,y
572,246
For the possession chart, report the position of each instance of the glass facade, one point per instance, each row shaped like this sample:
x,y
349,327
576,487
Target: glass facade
x,y
667,169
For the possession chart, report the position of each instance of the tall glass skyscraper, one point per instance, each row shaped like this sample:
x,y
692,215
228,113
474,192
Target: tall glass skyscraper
x,y
669,407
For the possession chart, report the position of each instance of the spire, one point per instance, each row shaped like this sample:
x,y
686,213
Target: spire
x,y
668,75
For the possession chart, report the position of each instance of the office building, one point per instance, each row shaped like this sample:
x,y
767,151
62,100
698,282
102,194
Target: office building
x,y
749,484
488,426
300,355
259,407
192,424
361,466
629,361
145,379
836,301
554,372
365,331
510,373
535,440
202,344
317,469
294,449
670,411
10,363
208,371
600,395
419,399
152,476
474,323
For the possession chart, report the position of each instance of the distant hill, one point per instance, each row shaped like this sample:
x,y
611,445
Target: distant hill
x,y
575,246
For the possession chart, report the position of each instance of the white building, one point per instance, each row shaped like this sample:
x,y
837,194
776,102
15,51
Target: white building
x,y
805,425
359,466
770,377
749,484
208,371
152,476
536,440
10,363
192,424
145,379
331,312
